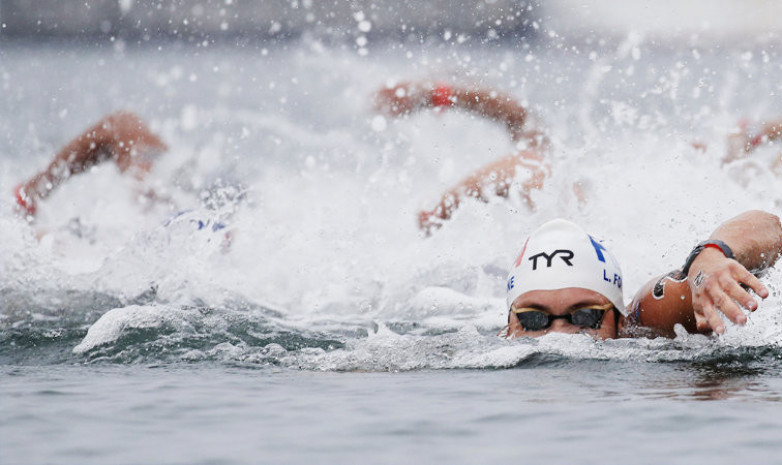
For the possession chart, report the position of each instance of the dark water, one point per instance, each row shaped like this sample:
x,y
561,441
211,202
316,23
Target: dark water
x,y
557,412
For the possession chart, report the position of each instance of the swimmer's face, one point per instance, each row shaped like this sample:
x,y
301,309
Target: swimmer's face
x,y
562,302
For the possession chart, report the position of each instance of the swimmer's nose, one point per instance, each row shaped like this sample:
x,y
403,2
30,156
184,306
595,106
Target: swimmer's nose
x,y
562,326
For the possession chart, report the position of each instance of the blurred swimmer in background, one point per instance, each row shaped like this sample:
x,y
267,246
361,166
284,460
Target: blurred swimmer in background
x,y
125,139
565,280
527,169
121,137
747,137
496,178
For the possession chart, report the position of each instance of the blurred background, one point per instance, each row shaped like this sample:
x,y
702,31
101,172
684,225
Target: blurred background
x,y
270,19
276,96
146,19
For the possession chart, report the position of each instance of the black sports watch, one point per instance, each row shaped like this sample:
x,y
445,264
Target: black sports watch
x,y
699,248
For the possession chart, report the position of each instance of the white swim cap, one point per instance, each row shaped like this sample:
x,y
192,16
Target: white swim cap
x,y
559,255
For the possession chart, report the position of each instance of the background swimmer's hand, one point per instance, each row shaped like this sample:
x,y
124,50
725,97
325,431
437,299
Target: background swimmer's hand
x,y
746,137
716,286
739,142
25,202
430,221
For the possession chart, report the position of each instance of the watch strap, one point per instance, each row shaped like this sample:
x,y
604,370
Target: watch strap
x,y
717,244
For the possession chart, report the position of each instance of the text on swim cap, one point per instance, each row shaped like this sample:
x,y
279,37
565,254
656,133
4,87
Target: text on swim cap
x,y
565,255
617,281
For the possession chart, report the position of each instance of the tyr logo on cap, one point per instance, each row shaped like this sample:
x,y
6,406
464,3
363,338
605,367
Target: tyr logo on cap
x,y
565,255
561,255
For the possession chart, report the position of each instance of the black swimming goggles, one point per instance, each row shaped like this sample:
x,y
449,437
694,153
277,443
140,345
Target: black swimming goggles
x,y
535,319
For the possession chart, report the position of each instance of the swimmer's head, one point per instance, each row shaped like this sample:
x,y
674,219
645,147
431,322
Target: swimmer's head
x,y
561,255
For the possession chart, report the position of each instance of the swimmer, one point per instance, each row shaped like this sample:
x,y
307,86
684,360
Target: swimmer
x,y
121,137
566,281
746,138
495,178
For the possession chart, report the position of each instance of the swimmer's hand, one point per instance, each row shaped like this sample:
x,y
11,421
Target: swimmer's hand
x,y
716,286
25,202
742,141
430,221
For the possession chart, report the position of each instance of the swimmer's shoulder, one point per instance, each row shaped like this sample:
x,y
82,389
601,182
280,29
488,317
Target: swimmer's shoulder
x,y
660,304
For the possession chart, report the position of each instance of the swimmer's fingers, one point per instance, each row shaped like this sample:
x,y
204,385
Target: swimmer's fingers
x,y
705,295
708,299
750,280
729,294
721,292
708,319
702,305
700,322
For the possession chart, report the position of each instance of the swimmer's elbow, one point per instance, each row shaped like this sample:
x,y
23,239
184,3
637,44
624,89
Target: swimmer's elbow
x,y
775,226
773,220
768,217
763,230
124,119
769,222
759,221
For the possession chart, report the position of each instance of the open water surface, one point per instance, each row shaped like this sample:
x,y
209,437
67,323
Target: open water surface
x,y
549,410
331,331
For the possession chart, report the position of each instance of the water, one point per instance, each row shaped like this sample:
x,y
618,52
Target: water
x,y
549,410
331,331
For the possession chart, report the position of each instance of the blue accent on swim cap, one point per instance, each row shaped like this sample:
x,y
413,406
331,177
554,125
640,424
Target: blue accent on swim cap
x,y
598,248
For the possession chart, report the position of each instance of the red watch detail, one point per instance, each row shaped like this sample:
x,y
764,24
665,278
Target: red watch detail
x,y
715,246
441,96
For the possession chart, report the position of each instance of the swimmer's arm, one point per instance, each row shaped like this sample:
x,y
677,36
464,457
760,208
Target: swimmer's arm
x,y
407,98
718,283
659,305
770,131
119,136
742,141
496,178
755,237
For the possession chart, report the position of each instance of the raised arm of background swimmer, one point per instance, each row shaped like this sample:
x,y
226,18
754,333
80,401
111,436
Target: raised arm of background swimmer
x,y
714,284
122,137
496,177
407,98
746,138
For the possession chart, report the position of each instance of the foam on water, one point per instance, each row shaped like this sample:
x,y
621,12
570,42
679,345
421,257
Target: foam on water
x,y
326,269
